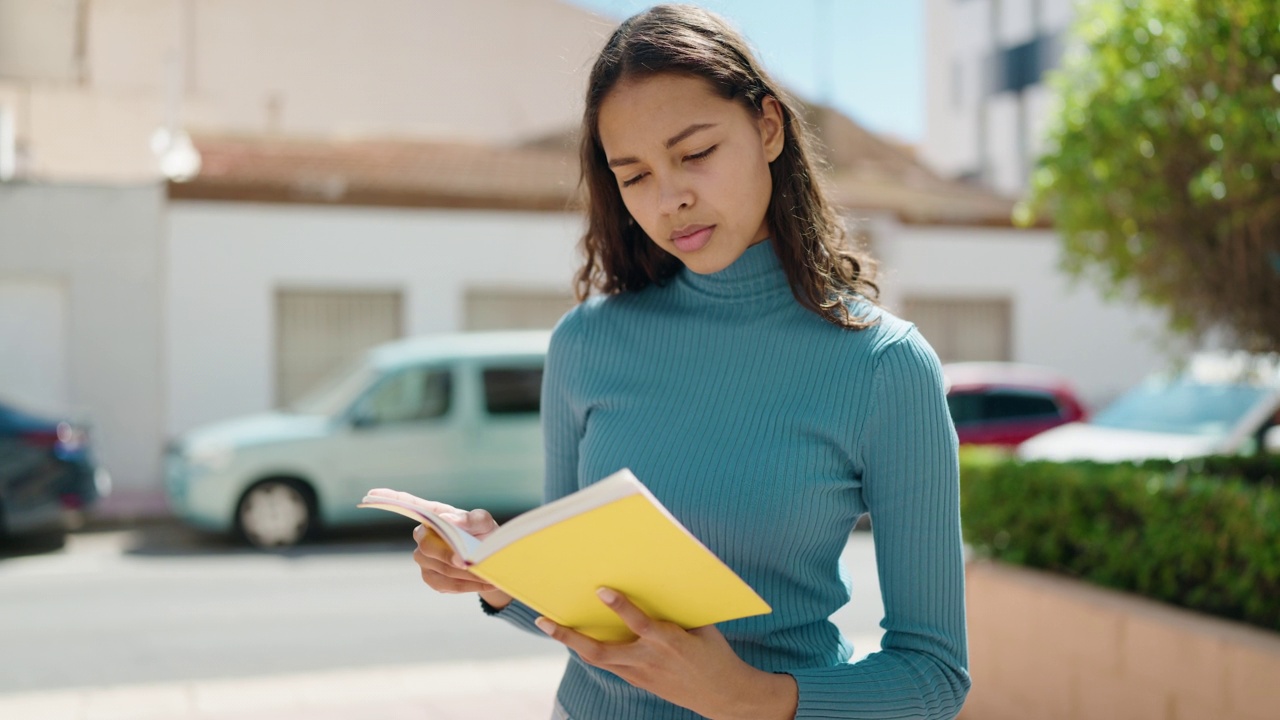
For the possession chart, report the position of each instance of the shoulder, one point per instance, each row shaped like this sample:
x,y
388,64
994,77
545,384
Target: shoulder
x,y
587,319
594,316
895,343
579,320
901,352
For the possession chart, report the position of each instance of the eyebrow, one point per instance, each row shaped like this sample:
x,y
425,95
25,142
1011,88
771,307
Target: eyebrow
x,y
670,143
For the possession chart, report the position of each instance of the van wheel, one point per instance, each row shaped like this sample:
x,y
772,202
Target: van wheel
x,y
276,513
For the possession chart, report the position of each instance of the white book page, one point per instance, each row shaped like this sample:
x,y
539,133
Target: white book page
x,y
463,542
614,487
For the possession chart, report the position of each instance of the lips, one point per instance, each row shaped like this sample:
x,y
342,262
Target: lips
x,y
692,237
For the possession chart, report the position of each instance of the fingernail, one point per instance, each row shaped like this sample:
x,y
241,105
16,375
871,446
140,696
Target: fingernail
x,y
456,561
610,597
545,625
418,532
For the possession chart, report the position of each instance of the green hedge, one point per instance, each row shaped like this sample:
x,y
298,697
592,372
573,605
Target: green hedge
x,y
1204,534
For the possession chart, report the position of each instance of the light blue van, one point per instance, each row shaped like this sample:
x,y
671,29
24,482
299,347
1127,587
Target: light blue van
x,y
452,418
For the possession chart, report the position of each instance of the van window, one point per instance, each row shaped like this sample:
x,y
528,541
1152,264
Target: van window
x,y
407,396
512,391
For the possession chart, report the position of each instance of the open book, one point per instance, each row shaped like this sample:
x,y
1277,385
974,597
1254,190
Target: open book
x,y
614,534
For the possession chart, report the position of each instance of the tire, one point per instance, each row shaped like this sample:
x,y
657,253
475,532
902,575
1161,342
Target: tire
x,y
276,513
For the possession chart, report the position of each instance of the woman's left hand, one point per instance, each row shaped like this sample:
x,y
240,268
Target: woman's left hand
x,y
696,669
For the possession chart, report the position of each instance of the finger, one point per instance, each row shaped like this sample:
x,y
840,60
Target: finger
x,y
591,651
448,579
477,522
633,617
438,508
453,586
443,567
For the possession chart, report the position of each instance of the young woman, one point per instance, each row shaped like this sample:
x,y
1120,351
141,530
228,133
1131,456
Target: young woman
x,y
732,355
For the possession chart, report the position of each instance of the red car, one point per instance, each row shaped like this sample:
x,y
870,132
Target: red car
x,y
995,403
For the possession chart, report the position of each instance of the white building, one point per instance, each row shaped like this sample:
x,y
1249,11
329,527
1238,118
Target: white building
x,y
82,314
986,100
85,83
366,176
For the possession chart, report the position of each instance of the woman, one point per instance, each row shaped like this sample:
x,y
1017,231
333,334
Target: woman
x,y
732,355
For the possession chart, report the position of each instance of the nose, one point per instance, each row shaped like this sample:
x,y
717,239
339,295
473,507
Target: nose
x,y
674,195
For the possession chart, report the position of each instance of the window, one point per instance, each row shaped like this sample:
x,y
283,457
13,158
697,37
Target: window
x,y
965,408
512,391
407,396
1014,405
1020,66
968,408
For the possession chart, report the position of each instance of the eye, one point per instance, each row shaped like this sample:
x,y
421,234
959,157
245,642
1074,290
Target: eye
x,y
703,154
633,180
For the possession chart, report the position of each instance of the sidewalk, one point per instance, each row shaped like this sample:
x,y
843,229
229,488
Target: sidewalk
x,y
521,689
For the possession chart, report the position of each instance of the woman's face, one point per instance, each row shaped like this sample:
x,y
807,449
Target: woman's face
x,y
692,167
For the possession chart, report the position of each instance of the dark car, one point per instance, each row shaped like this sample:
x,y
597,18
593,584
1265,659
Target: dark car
x,y
47,473
1003,404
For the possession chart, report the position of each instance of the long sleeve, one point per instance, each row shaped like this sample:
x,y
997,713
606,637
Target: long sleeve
x,y
767,431
562,427
908,452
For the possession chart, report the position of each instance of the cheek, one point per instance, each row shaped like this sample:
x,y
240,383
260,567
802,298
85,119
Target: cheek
x,y
756,186
639,210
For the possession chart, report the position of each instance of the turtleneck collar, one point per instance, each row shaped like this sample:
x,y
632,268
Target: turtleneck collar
x,y
756,273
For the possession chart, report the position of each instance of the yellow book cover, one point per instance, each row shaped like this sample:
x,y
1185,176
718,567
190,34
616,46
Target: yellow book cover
x,y
614,534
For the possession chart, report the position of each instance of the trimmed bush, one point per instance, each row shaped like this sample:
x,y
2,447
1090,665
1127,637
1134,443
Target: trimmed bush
x,y
1202,534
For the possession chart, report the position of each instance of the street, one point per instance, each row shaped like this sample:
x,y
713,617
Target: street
x,y
164,604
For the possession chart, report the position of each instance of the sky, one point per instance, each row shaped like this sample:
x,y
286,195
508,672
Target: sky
x,y
865,57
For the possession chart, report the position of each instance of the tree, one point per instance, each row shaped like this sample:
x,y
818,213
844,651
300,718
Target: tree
x,y
1162,166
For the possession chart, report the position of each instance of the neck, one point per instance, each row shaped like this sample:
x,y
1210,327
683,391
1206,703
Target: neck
x,y
756,273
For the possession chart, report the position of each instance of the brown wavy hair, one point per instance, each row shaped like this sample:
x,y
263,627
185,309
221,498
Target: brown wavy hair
x,y
824,270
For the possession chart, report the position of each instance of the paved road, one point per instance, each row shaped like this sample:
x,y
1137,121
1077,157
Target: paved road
x,y
164,604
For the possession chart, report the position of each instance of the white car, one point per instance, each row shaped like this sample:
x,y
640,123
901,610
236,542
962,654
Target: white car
x,y
1219,404
453,418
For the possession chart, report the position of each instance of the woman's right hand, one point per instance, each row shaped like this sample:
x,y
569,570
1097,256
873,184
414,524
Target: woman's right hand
x,y
441,568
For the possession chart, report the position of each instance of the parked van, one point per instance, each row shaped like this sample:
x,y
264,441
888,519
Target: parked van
x,y
452,418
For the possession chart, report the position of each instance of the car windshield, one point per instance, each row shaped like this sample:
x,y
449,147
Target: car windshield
x,y
1182,407
335,394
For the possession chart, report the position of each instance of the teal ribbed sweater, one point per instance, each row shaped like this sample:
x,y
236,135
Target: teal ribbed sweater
x,y
767,431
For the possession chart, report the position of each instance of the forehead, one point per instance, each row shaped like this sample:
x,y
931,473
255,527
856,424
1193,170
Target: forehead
x,y
644,111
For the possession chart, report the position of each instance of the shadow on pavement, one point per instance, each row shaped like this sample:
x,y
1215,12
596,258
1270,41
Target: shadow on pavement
x,y
12,547
173,539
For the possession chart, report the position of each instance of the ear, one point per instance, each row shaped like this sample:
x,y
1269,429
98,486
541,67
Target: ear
x,y
773,132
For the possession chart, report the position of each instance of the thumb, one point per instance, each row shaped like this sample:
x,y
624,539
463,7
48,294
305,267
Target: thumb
x,y
477,522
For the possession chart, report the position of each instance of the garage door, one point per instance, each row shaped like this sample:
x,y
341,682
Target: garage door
x,y
33,344
503,309
320,332
963,329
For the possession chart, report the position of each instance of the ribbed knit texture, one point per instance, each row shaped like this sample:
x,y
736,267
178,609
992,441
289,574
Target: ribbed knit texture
x,y
767,431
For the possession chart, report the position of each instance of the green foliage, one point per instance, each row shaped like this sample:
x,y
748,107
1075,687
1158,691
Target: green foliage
x,y
1205,539
1162,168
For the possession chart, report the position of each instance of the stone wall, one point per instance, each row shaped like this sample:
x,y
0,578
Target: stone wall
x,y
1048,647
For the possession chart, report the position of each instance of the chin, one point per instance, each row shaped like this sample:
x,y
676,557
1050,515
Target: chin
x,y
704,264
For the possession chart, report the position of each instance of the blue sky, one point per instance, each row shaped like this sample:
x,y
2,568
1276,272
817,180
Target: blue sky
x,y
873,62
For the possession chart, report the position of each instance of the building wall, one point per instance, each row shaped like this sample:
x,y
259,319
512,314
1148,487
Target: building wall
x,y
99,251
1103,347
228,259
90,81
975,127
